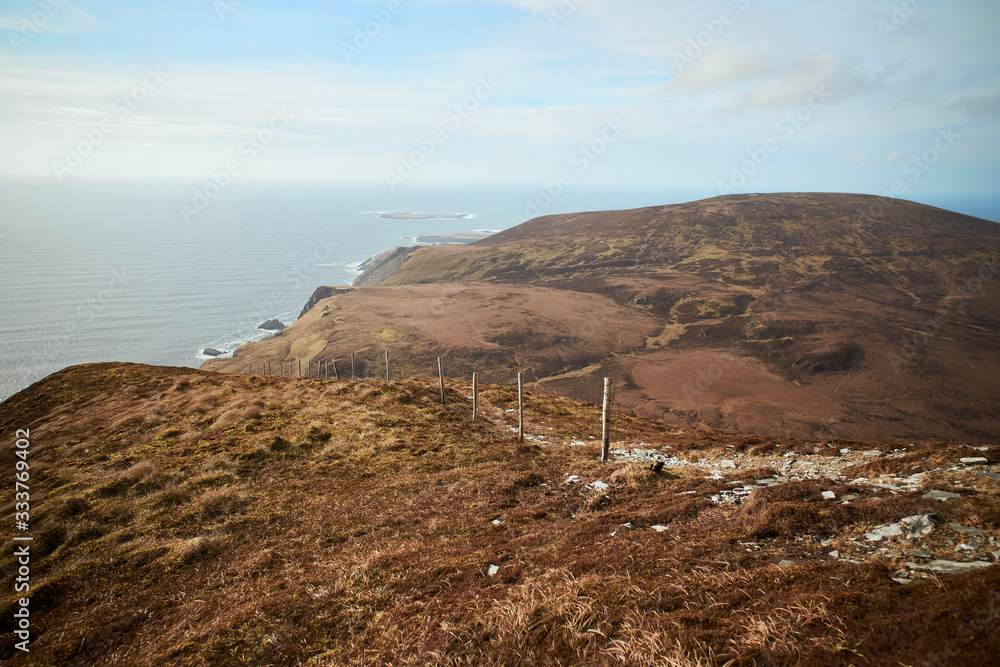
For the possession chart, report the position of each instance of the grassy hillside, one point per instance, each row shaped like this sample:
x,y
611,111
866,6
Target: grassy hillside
x,y
783,315
190,518
775,240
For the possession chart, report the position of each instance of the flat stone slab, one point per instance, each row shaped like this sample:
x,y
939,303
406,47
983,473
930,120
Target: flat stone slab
x,y
829,495
934,494
948,566
968,530
973,460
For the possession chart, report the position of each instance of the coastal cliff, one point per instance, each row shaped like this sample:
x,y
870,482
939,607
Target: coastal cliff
x,y
381,267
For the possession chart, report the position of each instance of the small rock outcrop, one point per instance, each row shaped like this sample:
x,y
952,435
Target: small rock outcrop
x,y
212,352
321,293
271,325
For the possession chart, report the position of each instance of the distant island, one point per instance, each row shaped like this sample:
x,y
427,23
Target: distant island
x,y
424,216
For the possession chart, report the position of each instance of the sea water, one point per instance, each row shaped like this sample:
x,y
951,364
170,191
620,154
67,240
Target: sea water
x,y
113,271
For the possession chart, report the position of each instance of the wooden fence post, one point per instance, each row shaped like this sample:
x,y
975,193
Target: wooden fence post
x,y
336,373
606,420
475,396
520,407
300,368
352,365
441,378
387,365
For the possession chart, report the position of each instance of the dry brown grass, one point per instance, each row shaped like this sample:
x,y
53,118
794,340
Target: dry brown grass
x,y
354,525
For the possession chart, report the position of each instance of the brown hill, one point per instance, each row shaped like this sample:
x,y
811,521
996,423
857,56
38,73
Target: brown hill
x,y
807,315
180,517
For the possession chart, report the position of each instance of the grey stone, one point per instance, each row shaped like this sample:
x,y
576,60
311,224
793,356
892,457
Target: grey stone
x,y
850,496
920,525
920,553
902,580
658,528
973,460
968,530
941,495
829,495
212,352
493,569
892,530
835,553
731,464
786,563
874,452
948,566
271,325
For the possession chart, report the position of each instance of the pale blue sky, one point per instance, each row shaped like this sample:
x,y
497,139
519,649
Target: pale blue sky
x,y
889,87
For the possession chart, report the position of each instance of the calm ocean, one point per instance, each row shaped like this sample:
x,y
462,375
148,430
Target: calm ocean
x,y
110,271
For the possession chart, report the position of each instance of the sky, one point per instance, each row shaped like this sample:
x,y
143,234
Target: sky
x,y
720,95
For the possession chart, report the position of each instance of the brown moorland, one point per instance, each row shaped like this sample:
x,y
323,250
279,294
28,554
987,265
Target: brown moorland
x,y
783,315
185,517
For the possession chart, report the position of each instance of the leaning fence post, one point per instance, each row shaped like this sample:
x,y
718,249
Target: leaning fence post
x,y
606,420
336,373
475,396
441,378
520,407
